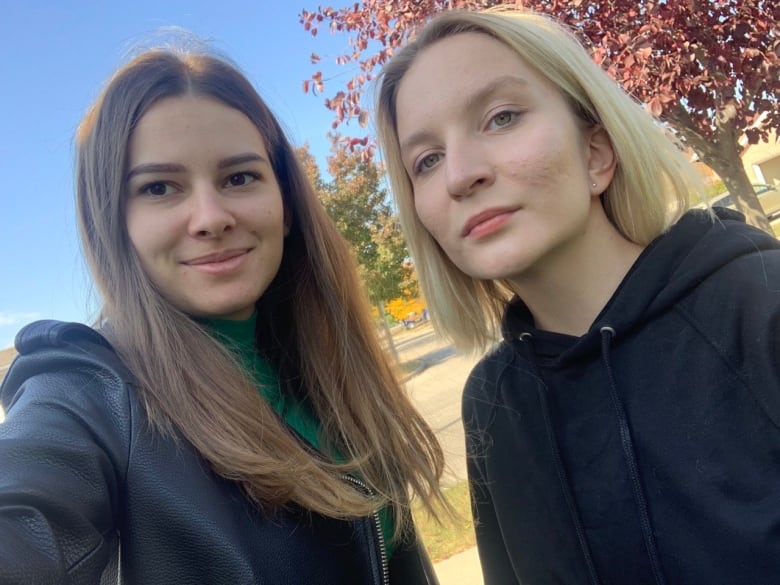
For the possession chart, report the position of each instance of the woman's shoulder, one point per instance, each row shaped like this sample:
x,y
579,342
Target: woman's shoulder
x,y
484,377
50,345
71,362
50,334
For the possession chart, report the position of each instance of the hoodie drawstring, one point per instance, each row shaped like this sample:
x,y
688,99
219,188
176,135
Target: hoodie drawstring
x,y
526,344
607,333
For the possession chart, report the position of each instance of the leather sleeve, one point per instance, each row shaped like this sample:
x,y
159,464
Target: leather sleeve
x,y
63,452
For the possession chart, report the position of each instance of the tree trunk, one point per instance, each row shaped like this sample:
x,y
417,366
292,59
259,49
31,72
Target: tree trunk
x,y
388,335
738,184
722,155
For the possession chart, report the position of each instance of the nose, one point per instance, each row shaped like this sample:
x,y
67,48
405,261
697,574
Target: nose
x,y
467,170
210,215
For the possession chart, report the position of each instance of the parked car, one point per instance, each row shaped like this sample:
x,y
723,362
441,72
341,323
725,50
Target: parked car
x,y
414,318
768,197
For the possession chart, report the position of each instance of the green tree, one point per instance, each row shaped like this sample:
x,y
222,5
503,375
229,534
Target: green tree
x,y
357,202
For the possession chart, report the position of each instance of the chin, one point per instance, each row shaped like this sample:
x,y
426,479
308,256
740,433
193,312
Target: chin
x,y
230,311
487,272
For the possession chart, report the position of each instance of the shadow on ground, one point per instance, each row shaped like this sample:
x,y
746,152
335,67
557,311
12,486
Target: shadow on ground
x,y
427,360
405,344
438,356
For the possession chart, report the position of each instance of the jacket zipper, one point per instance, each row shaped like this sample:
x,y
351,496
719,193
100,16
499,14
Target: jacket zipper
x,y
380,537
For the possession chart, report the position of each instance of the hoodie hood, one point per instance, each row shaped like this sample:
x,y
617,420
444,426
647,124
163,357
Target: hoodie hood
x,y
669,268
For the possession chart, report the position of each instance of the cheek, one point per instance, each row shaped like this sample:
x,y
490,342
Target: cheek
x,y
537,167
429,214
263,212
149,233
541,157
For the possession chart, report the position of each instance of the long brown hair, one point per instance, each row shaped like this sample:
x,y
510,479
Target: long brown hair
x,y
313,323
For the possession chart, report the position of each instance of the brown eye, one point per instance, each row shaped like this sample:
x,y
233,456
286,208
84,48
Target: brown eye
x,y
155,189
241,179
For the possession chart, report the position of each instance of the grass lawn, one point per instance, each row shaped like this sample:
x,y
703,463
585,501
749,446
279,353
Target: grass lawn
x,y
449,538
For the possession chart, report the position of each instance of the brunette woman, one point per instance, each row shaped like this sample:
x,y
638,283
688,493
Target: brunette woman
x,y
231,418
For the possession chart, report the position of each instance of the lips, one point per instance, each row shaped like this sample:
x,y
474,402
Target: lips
x,y
484,217
216,257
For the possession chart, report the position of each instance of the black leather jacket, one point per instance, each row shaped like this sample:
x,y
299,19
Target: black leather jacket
x,y
90,494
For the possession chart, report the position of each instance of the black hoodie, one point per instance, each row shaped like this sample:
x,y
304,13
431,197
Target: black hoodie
x,y
646,451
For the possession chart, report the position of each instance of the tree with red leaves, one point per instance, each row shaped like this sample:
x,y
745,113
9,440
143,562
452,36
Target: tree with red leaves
x,y
709,69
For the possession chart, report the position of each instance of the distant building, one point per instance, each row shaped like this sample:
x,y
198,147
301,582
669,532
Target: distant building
x,y
762,161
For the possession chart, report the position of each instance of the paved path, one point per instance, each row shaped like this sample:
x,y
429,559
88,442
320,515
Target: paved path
x,y
436,390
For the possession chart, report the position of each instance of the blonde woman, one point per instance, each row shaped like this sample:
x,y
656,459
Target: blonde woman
x,y
231,419
625,429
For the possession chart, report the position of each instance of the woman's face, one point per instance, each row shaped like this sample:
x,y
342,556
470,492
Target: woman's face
x,y
502,172
204,210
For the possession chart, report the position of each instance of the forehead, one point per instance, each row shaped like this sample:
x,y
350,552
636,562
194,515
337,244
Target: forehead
x,y
183,123
458,65
454,73
477,54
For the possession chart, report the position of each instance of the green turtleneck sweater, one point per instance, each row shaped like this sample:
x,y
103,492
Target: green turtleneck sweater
x,y
239,336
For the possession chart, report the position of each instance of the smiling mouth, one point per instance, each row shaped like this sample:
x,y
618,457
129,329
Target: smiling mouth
x,y
217,257
220,265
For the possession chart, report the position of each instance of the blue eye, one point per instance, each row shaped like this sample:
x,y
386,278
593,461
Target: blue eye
x,y
503,119
427,162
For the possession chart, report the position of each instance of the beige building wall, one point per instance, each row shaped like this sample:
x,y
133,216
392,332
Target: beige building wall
x,y
762,161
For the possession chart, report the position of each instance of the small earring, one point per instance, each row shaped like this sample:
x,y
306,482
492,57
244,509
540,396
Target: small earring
x,y
593,185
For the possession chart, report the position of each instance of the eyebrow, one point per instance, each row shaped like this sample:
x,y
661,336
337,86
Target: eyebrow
x,y
470,102
240,159
154,168
231,161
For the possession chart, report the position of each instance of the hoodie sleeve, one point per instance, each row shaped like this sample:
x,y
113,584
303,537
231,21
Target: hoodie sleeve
x,y
496,564
62,455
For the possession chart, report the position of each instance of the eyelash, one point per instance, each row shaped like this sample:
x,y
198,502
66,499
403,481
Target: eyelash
x,y
418,166
254,176
145,189
514,115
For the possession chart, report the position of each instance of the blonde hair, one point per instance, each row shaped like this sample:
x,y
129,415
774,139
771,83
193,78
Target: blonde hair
x,y
313,324
649,192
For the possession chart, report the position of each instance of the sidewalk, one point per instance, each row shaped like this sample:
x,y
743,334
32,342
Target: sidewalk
x,y
461,569
435,386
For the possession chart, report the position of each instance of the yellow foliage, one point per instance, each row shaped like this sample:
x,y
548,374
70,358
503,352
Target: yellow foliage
x,y
399,308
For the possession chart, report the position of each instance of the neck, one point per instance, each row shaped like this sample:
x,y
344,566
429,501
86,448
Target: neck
x,y
570,290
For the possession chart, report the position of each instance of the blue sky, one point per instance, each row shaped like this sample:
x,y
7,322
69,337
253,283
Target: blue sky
x,y
54,58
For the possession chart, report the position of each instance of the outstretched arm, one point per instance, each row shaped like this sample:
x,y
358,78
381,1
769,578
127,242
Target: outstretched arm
x,y
61,455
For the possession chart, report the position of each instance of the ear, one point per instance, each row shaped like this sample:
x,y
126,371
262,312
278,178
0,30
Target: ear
x,y
602,161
